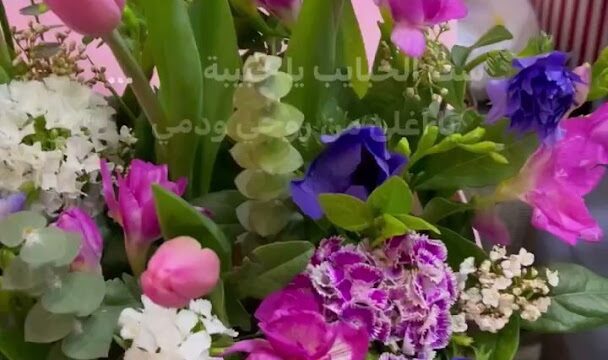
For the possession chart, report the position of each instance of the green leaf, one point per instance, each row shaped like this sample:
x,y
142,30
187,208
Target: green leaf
x,y
538,45
264,218
13,345
72,248
21,276
218,302
178,218
599,77
317,28
173,47
579,302
392,197
460,248
390,226
216,41
351,50
495,35
440,208
457,88
502,345
271,267
48,245
34,10
260,185
346,211
95,338
79,293
13,227
458,168
42,326
237,314
222,205
416,223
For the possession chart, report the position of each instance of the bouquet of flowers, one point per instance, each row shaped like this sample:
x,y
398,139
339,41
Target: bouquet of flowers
x,y
261,191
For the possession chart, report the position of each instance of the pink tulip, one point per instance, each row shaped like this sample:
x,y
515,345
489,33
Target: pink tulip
x,y
286,10
77,221
556,178
180,271
89,17
134,208
412,17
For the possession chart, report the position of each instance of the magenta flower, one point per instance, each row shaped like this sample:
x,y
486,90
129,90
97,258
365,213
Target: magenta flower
x,y
180,271
555,179
286,10
89,17
134,207
296,330
413,16
77,221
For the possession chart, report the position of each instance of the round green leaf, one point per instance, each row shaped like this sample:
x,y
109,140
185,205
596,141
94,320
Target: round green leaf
x,y
277,156
259,185
21,276
276,86
78,293
243,125
259,67
264,218
72,247
45,246
95,339
346,211
280,121
246,97
12,228
42,326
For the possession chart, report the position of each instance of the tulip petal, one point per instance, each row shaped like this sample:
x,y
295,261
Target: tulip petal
x,y
89,17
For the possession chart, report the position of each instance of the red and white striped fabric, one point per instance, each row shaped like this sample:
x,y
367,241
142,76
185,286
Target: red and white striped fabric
x,y
579,27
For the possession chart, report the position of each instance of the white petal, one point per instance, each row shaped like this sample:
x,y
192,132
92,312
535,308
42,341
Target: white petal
x,y
201,307
186,320
195,345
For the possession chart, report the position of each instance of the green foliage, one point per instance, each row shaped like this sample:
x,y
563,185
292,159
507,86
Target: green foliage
x,y
462,167
350,50
14,227
79,293
264,218
346,211
178,218
579,302
49,246
439,208
176,56
392,197
538,45
42,326
270,268
460,248
313,49
599,77
460,54
500,346
216,41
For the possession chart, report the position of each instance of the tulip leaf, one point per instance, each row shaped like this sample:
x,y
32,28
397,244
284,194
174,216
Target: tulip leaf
x,y
460,248
176,57
271,267
14,227
312,52
500,346
346,211
579,302
351,50
44,327
218,51
178,218
392,197
79,293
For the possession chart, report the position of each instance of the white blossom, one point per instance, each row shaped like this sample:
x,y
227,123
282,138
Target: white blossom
x,y
552,277
156,332
459,323
77,129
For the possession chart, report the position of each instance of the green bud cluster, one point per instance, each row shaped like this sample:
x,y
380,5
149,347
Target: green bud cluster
x,y
262,127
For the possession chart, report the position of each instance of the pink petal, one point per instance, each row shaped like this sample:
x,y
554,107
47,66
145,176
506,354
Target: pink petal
x,y
89,17
350,344
409,39
438,11
410,11
109,194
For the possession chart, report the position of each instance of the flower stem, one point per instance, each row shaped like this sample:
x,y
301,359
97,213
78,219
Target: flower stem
x,y
137,256
139,82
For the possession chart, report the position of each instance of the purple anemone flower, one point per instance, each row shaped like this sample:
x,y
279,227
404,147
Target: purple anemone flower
x,y
538,97
354,162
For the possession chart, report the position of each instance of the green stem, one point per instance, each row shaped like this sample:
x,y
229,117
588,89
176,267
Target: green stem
x,y
476,62
137,256
6,61
139,82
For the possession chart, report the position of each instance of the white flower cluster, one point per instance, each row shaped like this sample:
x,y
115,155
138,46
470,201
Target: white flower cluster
x,y
499,287
52,133
160,333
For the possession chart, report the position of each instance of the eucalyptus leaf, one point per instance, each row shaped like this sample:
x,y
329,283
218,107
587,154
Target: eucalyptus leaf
x,y
264,218
259,185
13,227
42,326
19,275
178,218
95,338
579,302
73,243
392,197
45,246
276,86
282,120
79,293
346,211
271,267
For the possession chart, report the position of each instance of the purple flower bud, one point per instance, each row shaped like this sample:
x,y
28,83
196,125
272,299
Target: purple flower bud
x,y
133,207
286,10
11,204
76,220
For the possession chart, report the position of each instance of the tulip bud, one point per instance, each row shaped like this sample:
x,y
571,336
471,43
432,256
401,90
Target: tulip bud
x,y
286,10
180,271
89,17
134,208
77,221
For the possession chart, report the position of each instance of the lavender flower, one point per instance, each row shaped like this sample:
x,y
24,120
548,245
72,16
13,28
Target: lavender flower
x,y
355,162
537,98
401,293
